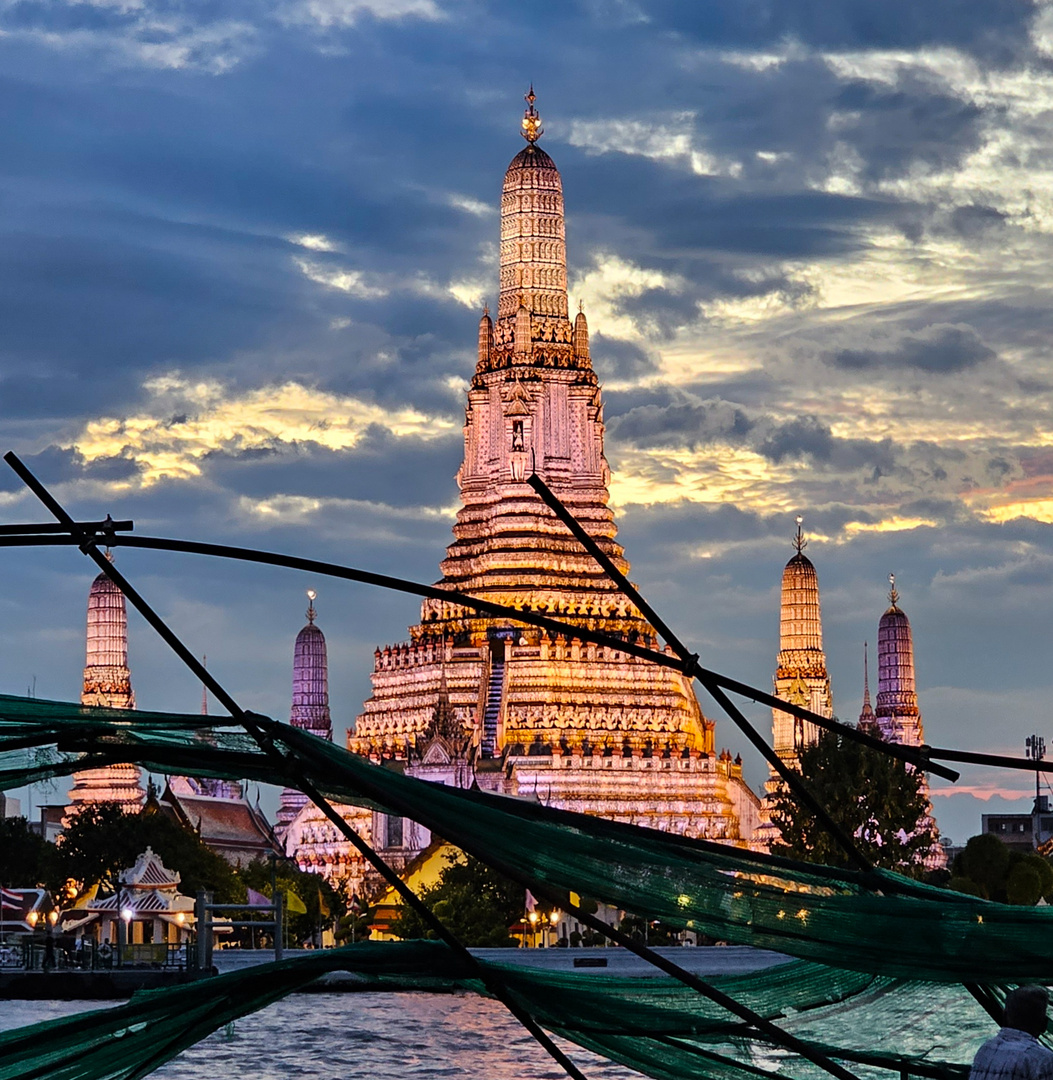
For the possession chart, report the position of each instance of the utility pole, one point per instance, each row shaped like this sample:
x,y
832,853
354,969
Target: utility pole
x,y
1035,749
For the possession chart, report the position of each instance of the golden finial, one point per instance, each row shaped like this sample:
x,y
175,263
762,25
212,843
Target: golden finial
x,y
311,613
581,307
486,309
799,541
532,129
893,595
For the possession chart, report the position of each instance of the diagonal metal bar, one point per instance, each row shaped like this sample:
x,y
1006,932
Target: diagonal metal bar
x,y
914,755
296,777
789,776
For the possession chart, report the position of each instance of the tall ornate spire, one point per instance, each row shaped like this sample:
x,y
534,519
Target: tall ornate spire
x,y
800,669
897,713
310,700
866,714
108,683
533,325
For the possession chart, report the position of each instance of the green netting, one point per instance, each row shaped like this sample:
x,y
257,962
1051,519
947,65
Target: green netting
x,y
879,923
657,1026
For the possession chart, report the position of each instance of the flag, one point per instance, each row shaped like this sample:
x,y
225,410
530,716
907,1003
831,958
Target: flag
x,y
323,907
531,903
10,899
257,899
293,904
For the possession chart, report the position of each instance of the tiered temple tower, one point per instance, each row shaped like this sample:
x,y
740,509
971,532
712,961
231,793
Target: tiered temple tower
x,y
897,717
107,682
577,726
800,667
310,699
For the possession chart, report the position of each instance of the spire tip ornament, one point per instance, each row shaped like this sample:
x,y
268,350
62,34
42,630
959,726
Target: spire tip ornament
x,y
531,127
799,541
311,613
893,594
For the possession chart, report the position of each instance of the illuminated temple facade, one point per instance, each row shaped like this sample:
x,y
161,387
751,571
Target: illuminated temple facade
x,y
472,699
107,682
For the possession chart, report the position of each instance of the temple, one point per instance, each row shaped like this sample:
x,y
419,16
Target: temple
x,y
470,699
310,699
897,717
801,677
107,682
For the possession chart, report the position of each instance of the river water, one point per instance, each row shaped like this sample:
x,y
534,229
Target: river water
x,y
380,1036
418,1036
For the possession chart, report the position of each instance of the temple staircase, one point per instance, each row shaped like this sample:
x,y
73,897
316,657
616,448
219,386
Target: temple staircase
x,y
493,706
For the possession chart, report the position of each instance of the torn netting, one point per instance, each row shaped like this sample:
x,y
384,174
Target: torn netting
x,y
879,923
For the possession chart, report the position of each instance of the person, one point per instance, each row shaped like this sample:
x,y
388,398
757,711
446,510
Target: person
x,y
1015,1052
106,953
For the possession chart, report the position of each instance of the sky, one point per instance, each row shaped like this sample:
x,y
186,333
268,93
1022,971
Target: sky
x,y
245,247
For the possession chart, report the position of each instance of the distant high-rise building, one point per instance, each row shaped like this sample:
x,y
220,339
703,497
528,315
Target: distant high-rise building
x,y
310,699
107,683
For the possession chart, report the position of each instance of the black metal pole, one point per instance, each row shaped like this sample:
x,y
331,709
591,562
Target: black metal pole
x,y
914,755
266,744
790,777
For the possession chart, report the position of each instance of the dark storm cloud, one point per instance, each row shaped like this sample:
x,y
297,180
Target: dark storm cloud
x,y
685,424
990,29
61,465
938,349
615,358
382,469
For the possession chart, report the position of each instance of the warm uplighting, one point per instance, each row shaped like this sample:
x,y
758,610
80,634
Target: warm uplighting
x,y
32,918
53,916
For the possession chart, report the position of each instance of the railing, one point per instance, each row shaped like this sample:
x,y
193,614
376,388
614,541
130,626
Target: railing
x,y
40,954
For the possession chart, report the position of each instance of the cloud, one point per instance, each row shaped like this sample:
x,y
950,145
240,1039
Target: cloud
x,y
938,349
192,420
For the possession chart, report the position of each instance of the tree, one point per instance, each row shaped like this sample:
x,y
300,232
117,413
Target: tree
x,y
24,856
312,889
102,840
875,798
476,903
987,867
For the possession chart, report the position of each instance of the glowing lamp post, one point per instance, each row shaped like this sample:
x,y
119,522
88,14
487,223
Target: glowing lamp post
x,y
533,923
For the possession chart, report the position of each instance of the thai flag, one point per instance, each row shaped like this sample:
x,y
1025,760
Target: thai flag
x,y
10,899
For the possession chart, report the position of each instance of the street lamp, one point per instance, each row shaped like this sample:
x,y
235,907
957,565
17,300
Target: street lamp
x,y
553,918
533,922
